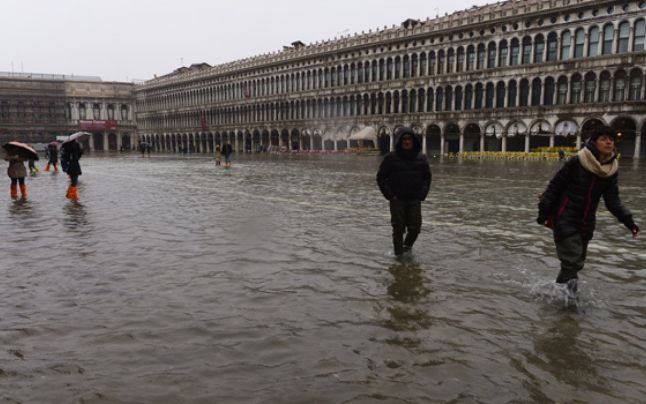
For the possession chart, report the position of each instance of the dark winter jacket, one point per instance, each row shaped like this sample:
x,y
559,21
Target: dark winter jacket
x,y
70,157
572,197
405,174
52,154
227,149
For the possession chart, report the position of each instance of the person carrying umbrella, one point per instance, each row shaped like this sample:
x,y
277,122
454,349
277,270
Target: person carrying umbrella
x,y
16,154
52,154
70,157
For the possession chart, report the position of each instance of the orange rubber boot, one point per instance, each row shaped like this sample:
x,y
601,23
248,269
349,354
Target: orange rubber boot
x,y
74,196
23,191
47,168
14,191
69,192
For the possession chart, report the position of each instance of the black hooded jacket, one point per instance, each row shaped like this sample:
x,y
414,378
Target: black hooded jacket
x,y
572,198
405,174
70,157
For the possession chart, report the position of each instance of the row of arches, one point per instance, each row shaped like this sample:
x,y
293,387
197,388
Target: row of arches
x,y
590,87
440,138
589,41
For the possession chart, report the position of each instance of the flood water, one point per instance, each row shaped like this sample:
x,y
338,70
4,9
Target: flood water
x,y
172,281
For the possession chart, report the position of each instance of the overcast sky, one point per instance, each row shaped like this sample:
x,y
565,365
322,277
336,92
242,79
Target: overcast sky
x,y
136,39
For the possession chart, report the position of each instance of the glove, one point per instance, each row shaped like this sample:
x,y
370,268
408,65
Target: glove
x,y
635,231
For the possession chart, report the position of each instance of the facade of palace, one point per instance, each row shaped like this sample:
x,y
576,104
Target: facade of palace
x,y
509,76
35,108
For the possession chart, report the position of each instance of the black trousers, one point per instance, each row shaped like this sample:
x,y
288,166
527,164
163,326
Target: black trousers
x,y
405,217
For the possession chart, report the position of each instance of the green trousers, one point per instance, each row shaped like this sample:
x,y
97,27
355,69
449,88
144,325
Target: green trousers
x,y
571,252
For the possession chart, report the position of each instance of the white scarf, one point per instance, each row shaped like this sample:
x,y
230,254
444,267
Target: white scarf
x,y
591,164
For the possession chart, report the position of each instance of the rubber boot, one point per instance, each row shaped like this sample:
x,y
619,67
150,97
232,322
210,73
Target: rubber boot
x,y
47,168
69,192
14,191
74,196
55,168
23,191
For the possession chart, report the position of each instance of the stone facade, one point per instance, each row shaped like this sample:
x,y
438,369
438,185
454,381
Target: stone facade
x,y
36,108
508,76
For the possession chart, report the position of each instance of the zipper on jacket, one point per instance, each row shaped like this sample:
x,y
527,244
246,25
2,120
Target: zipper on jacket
x,y
589,204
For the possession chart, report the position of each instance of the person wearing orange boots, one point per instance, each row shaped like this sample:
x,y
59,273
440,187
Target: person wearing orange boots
x,y
17,172
52,154
72,153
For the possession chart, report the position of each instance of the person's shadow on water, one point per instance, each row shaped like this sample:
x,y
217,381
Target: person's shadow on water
x,y
75,216
408,297
563,354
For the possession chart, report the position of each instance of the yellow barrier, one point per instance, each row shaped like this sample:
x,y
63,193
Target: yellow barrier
x,y
490,155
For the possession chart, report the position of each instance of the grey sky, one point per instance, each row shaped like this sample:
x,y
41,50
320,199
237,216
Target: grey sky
x,y
135,39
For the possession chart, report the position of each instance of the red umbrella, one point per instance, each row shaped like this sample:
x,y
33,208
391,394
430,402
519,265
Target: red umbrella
x,y
23,150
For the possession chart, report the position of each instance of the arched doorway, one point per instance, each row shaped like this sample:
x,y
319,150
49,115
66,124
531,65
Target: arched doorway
x,y
627,128
452,137
472,137
433,139
383,139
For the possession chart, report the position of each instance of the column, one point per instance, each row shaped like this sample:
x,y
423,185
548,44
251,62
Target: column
x,y
424,144
638,144
105,141
552,140
236,144
631,39
312,142
504,142
442,144
392,143
336,146
482,142
91,143
527,141
461,142
280,139
119,141
300,141
578,141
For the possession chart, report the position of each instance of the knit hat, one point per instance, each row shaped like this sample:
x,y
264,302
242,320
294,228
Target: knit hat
x,y
604,130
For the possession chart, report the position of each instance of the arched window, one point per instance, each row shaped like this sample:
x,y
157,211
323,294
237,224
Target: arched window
x,y
575,89
635,93
590,87
512,92
608,37
389,101
500,95
624,36
430,95
459,67
448,94
489,95
450,60
491,55
593,41
604,87
548,99
439,99
503,54
539,48
536,92
468,97
398,67
470,58
515,51
481,56
620,86
431,63
566,39
414,65
640,33
458,98
389,69
524,92
579,43
421,98
552,47
440,62
561,98
479,96
527,50
406,72
422,64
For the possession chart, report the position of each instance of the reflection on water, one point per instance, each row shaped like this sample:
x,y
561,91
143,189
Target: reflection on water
x,y
274,281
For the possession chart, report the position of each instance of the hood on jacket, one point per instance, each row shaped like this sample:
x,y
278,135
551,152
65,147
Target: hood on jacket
x,y
417,144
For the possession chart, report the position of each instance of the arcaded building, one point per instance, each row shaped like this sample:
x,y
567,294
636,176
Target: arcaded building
x,y
36,108
509,76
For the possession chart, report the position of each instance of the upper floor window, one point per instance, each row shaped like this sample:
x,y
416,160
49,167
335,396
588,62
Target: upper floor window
x,y
579,43
481,56
82,112
124,113
539,49
624,36
515,51
608,37
635,85
593,41
527,50
470,58
552,47
503,54
566,39
491,56
640,33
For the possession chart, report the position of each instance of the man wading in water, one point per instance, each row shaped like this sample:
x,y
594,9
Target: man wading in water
x,y
404,178
569,204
